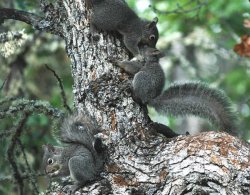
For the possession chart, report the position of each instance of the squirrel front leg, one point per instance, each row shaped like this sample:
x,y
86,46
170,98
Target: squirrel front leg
x,y
131,67
131,42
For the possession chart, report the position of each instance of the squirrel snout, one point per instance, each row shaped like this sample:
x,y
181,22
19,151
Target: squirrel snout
x,y
51,169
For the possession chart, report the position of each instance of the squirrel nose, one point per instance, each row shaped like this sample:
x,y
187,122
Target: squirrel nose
x,y
50,169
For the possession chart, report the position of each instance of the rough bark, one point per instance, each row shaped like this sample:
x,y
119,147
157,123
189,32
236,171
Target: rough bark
x,y
140,162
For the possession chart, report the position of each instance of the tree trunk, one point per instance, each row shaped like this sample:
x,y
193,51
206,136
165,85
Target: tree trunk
x,y
139,161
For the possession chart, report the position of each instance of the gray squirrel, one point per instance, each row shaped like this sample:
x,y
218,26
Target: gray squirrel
x,y
115,15
81,156
179,99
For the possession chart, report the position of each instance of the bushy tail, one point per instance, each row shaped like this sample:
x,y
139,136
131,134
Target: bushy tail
x,y
198,99
79,129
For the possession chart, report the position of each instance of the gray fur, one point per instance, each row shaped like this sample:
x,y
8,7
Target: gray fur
x,y
77,157
115,15
149,77
198,99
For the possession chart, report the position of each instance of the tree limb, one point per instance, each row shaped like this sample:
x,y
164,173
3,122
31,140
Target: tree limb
x,y
28,106
37,22
29,18
64,99
31,174
10,152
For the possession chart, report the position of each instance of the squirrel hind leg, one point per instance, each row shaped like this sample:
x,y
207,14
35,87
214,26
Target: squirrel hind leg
x,y
82,169
136,98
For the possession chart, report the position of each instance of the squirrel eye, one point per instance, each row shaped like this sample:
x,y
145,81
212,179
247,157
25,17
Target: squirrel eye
x,y
152,37
50,161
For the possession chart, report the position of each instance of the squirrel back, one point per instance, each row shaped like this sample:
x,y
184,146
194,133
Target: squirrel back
x,y
112,15
115,15
149,81
198,99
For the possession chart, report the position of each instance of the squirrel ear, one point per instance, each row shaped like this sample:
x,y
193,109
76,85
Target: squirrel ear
x,y
153,23
44,147
155,20
50,147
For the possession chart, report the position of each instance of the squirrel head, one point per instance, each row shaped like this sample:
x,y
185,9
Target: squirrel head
x,y
150,33
151,53
52,160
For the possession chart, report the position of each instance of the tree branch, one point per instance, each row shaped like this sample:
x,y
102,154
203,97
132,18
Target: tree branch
x,y
3,83
50,22
29,18
64,99
31,174
29,106
10,152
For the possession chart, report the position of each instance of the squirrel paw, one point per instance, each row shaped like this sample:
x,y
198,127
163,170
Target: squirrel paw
x,y
98,145
138,58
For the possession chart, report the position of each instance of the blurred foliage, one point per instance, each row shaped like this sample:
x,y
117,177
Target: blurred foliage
x,y
33,81
198,40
